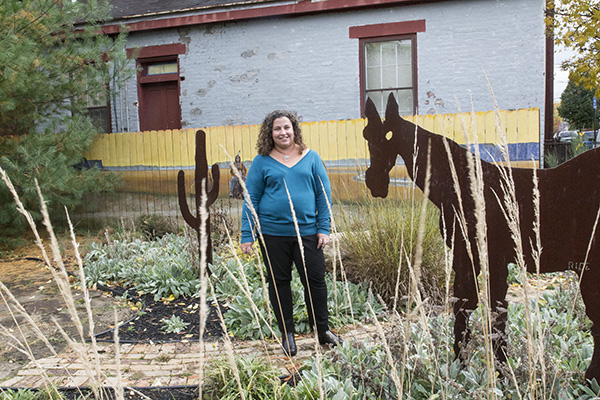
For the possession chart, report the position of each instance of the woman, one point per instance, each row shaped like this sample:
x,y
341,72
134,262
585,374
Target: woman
x,y
286,169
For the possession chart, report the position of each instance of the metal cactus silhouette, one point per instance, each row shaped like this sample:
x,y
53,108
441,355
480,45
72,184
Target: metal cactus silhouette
x,y
202,185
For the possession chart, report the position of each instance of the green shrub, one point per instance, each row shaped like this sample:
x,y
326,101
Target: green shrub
x,y
347,302
258,378
155,226
353,371
28,394
421,356
377,237
161,267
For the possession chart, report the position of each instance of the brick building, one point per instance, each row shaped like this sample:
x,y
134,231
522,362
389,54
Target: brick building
x,y
219,62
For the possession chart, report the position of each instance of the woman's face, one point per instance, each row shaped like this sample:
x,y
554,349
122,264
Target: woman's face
x,y
283,133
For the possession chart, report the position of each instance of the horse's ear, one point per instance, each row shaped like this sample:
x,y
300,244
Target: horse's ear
x,y
374,120
371,110
391,111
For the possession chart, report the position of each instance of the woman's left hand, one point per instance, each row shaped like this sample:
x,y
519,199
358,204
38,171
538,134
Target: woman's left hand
x,y
323,240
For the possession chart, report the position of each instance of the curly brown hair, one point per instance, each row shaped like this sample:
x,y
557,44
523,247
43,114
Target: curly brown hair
x,y
264,143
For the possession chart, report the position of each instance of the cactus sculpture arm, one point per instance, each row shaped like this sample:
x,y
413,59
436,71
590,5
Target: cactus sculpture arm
x,y
201,184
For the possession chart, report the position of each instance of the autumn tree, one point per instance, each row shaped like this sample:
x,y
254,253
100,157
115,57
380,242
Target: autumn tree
x,y
576,25
52,68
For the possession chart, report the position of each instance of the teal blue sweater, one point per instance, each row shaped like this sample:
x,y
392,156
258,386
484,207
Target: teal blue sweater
x,y
266,182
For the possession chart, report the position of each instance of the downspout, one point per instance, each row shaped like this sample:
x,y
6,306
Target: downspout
x,y
126,107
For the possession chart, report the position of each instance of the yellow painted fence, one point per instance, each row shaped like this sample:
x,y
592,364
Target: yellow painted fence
x,y
148,162
333,140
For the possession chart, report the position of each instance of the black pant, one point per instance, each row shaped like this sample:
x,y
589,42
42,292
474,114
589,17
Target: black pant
x,y
281,252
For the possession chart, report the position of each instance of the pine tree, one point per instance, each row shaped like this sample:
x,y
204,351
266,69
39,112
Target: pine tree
x,y
51,65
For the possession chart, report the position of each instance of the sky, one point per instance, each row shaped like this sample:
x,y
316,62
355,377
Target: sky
x,y
561,78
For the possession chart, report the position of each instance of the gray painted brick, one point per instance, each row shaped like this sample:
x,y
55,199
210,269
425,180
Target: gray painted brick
x,y
237,72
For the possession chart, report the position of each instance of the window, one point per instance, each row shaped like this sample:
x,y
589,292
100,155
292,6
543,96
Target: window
x,y
388,63
388,68
98,110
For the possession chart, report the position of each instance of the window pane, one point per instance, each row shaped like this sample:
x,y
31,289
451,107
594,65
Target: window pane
x,y
405,101
162,68
404,51
99,100
388,53
377,99
373,77
389,77
404,76
373,55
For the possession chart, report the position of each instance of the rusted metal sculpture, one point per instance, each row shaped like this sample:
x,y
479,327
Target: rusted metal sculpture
x,y
569,199
202,185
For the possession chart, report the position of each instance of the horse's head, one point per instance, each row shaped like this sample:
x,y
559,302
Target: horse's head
x,y
383,154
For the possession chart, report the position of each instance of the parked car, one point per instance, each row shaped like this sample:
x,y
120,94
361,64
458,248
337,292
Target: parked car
x,y
565,136
589,136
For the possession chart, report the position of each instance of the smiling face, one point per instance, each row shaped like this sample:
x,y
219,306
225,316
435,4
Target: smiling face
x,y
283,133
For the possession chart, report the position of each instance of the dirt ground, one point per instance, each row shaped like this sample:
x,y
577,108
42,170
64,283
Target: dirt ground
x,y
31,282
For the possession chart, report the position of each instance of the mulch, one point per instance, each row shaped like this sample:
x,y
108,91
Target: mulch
x,y
153,393
148,325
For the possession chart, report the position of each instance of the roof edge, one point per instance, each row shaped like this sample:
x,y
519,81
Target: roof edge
x,y
295,8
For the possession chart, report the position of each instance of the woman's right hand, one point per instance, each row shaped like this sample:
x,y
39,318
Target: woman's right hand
x,y
246,247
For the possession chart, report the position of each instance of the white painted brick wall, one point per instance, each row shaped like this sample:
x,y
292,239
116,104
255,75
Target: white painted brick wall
x,y
237,72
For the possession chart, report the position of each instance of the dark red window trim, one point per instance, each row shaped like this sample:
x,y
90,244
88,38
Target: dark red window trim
x,y
389,29
164,50
155,54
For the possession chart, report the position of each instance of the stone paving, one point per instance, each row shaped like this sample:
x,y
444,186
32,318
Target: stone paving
x,y
167,364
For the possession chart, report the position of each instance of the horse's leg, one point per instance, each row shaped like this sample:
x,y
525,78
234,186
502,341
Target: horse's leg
x,y
499,306
465,293
590,292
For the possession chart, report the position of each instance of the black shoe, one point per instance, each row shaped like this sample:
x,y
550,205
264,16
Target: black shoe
x,y
289,345
329,337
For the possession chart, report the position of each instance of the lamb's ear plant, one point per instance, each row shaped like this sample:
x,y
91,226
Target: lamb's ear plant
x,y
159,267
173,325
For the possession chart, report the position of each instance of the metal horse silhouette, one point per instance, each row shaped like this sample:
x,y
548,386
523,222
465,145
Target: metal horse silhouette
x,y
569,199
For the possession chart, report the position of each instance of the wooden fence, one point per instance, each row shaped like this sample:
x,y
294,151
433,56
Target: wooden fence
x,y
148,162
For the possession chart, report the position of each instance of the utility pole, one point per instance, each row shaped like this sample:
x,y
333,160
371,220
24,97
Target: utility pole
x,y
595,119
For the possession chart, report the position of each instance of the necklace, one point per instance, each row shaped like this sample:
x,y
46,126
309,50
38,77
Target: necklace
x,y
286,157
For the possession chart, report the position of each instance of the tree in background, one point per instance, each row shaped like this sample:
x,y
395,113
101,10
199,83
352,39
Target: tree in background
x,y
576,25
576,106
556,119
52,68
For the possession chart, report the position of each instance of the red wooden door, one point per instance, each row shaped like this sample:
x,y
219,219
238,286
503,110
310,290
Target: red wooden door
x,y
159,106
